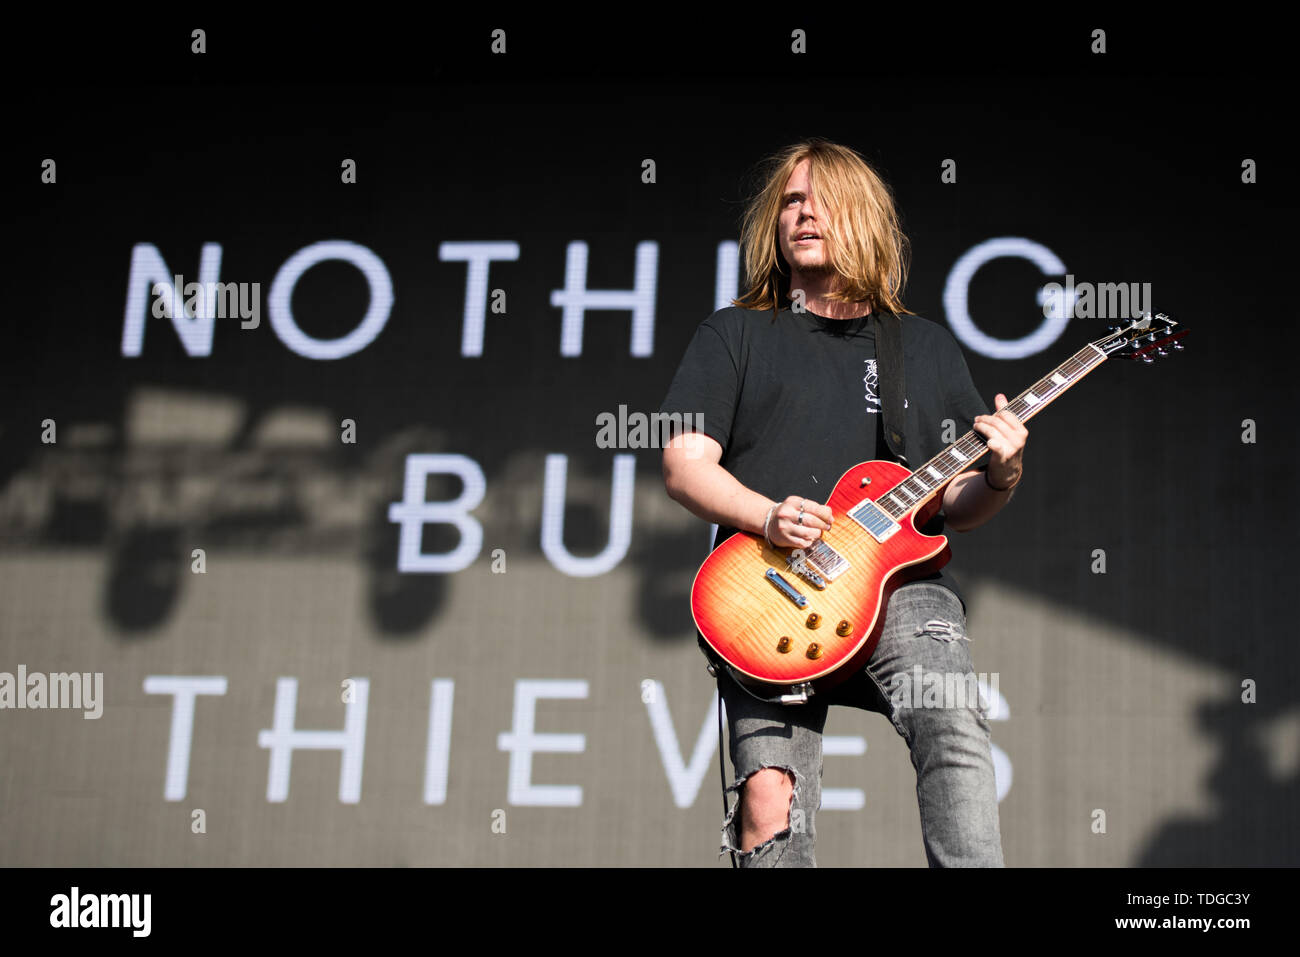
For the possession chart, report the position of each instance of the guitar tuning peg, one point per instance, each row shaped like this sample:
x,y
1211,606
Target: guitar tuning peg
x,y
1162,351
1147,360
1178,346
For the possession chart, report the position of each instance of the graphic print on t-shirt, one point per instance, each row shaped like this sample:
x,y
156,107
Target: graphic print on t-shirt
x,y
871,381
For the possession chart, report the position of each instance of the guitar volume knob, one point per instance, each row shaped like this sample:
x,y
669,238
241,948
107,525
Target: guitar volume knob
x,y
814,620
783,645
844,629
814,650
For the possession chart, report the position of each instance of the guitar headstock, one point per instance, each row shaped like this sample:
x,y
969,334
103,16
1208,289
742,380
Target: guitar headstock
x,y
1143,339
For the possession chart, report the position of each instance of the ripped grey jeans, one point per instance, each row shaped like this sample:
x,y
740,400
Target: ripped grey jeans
x,y
948,738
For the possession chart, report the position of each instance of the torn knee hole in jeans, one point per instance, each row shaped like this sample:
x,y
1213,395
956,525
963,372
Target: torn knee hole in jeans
x,y
940,630
730,826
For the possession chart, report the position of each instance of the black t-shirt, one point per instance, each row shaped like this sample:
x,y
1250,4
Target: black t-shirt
x,y
794,399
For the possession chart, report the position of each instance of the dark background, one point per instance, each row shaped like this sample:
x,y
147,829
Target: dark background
x,y
1127,165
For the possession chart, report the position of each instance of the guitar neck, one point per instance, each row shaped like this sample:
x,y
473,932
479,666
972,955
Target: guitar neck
x,y
932,476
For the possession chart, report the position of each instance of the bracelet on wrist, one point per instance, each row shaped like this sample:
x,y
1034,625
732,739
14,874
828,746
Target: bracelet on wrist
x,y
766,522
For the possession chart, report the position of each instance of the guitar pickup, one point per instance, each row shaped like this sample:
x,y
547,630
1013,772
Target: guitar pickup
x,y
869,515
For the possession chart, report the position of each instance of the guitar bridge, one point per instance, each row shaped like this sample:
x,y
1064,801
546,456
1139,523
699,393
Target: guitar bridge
x,y
798,563
823,560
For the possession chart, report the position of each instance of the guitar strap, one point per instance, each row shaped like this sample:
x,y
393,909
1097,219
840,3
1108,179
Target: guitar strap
x,y
889,368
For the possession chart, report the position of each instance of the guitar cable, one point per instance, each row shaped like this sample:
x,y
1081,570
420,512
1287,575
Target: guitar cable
x,y
722,772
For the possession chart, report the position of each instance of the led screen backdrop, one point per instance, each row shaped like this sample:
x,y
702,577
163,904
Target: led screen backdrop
x,y
350,579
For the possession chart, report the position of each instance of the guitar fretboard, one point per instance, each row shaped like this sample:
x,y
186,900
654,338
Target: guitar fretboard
x,y
966,451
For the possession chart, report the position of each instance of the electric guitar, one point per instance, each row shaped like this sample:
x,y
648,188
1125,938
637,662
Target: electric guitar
x,y
790,622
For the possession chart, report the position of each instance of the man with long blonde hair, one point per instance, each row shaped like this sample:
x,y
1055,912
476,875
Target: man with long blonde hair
x,y
789,390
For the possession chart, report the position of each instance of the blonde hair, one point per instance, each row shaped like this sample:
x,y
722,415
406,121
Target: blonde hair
x,y
863,242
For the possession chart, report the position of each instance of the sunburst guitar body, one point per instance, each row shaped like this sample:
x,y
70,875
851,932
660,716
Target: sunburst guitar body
x,y
783,617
